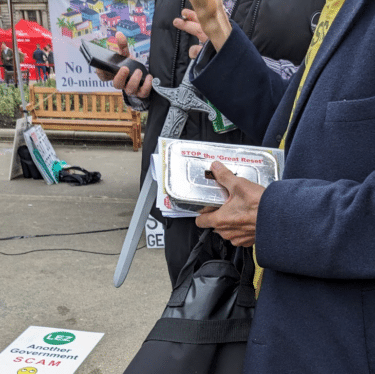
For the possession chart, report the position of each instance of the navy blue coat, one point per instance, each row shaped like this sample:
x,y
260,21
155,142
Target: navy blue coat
x,y
315,232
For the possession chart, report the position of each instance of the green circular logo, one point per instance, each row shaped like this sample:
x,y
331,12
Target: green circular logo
x,y
59,338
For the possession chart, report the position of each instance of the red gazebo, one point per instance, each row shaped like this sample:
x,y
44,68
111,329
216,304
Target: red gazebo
x,y
29,34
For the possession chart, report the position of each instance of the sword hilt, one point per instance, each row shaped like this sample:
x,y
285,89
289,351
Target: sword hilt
x,y
174,123
184,97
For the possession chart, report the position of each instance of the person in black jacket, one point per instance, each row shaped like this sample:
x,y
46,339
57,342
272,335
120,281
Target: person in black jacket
x,y
50,59
40,63
280,30
7,61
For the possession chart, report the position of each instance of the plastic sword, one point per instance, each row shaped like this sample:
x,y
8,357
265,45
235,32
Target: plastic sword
x,y
183,100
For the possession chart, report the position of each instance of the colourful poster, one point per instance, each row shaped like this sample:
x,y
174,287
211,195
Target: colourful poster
x,y
96,21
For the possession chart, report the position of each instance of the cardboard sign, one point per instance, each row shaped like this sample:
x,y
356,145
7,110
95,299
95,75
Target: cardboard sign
x,y
42,153
154,233
45,350
15,163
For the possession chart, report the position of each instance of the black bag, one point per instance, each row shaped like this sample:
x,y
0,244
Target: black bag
x,y
78,179
205,326
29,169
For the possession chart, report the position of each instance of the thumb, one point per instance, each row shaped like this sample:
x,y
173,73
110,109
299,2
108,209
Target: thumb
x,y
122,44
194,51
223,175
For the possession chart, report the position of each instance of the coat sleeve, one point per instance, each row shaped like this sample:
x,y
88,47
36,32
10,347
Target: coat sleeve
x,y
318,228
137,104
239,83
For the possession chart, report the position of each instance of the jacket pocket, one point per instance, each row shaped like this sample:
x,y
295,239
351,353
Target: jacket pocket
x,y
351,110
368,300
348,138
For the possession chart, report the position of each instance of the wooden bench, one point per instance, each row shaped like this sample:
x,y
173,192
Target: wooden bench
x,y
78,111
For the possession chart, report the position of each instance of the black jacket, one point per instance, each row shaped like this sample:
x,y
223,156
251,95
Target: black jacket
x,y
7,59
39,56
50,58
279,29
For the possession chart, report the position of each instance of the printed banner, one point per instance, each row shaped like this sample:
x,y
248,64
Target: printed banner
x,y
42,350
96,21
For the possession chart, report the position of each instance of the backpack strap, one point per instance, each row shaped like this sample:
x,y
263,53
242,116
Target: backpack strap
x,y
78,179
246,292
201,332
186,274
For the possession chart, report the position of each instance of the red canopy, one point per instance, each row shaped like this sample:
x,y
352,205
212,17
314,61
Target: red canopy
x,y
41,30
2,34
29,34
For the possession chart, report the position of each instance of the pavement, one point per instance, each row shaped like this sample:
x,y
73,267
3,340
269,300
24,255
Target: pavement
x,y
74,290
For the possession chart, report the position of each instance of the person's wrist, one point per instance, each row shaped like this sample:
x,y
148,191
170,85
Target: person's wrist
x,y
218,29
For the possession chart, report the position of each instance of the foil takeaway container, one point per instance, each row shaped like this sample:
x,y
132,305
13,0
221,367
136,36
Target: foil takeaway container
x,y
189,182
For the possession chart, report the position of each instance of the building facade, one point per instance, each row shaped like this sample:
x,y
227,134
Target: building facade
x,y
30,10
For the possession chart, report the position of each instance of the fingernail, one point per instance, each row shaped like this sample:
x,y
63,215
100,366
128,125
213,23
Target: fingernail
x,y
216,165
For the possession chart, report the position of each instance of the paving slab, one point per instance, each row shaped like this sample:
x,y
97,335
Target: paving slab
x,y
60,283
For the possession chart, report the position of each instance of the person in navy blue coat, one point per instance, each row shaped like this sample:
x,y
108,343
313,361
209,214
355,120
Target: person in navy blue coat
x,y
40,63
314,230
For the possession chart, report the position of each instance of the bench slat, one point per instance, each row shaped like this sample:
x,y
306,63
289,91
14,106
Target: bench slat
x,y
102,104
80,115
85,105
58,103
50,103
93,103
67,103
72,122
112,104
93,125
76,103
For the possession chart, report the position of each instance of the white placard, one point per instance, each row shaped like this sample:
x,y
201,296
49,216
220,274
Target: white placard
x,y
46,350
154,233
42,152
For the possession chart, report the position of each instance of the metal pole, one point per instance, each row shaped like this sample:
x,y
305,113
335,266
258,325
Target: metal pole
x,y
10,5
16,62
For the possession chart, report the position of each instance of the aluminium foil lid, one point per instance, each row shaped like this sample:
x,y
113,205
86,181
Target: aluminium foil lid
x,y
187,178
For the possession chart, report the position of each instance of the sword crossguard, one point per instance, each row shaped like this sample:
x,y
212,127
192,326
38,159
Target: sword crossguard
x,y
184,96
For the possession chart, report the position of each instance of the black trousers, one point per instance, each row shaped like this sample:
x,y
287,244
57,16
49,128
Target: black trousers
x,y
8,73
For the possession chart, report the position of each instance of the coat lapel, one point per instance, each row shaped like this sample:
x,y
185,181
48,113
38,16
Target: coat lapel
x,y
328,47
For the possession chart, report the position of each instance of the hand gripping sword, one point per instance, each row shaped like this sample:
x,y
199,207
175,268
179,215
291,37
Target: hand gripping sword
x,y
183,100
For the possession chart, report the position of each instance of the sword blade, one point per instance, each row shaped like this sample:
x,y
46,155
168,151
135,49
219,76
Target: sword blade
x,y
173,126
142,210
